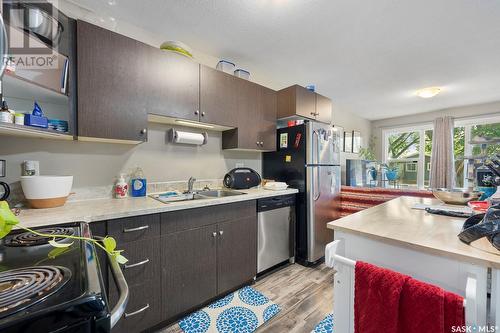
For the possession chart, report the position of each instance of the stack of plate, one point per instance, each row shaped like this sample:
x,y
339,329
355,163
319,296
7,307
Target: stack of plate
x,y
275,186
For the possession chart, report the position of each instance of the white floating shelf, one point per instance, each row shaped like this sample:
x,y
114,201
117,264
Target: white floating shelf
x,y
32,132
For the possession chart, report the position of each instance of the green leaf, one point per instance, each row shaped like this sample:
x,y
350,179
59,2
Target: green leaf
x,y
59,245
109,243
7,219
121,259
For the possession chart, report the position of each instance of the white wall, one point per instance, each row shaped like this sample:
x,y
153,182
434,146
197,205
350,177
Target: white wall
x,y
96,164
427,117
351,122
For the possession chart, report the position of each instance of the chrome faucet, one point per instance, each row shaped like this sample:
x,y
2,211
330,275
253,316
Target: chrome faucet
x,y
190,184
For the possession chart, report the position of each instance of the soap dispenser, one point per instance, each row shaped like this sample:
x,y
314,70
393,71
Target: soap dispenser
x,y
121,187
138,183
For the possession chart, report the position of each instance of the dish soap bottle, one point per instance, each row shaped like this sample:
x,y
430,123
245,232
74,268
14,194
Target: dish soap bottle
x,y
121,187
139,183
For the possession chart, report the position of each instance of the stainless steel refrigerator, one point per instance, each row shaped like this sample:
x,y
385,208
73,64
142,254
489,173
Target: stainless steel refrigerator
x,y
308,159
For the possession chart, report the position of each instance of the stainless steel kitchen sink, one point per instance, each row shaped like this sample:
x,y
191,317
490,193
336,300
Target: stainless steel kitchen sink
x,y
209,194
218,193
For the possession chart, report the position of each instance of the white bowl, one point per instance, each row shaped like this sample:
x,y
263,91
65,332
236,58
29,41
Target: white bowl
x,y
46,187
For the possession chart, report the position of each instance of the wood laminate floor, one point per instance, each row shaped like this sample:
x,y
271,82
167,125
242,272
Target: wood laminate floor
x,y
304,294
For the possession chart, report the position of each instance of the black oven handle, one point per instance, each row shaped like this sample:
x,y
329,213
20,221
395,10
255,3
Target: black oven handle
x,y
120,306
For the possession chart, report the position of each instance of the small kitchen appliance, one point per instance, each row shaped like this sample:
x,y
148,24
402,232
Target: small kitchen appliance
x,y
47,289
308,159
242,178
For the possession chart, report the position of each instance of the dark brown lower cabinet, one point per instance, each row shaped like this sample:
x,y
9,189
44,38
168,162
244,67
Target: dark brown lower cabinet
x,y
236,253
181,261
189,274
143,309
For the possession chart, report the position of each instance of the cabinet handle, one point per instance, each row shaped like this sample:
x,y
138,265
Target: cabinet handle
x,y
144,131
262,143
197,112
137,312
203,114
257,143
140,263
214,234
144,227
221,232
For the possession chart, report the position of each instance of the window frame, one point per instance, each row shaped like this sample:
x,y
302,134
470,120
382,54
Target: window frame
x,y
467,123
420,128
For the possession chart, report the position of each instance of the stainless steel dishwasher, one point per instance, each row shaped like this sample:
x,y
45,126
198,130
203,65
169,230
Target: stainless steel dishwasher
x,y
276,229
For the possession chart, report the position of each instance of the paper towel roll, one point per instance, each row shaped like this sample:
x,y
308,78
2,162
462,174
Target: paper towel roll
x,y
189,138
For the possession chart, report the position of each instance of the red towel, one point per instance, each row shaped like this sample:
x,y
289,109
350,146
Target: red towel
x,y
391,302
376,299
454,314
421,308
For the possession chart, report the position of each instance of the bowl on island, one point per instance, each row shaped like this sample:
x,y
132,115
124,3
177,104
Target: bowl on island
x,y
456,196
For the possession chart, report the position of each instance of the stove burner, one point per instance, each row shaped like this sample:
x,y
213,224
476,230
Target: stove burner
x,y
24,287
30,239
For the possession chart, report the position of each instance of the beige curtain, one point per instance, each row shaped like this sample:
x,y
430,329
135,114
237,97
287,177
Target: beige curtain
x,y
442,161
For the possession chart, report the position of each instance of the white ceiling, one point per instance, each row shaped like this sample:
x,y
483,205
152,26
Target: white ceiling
x,y
368,56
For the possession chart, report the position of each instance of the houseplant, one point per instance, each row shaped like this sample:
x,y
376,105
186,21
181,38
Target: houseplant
x,y
368,153
8,220
391,172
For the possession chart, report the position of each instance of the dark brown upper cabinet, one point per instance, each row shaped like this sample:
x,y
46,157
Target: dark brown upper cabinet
x,y
323,109
173,87
256,126
299,101
112,102
218,97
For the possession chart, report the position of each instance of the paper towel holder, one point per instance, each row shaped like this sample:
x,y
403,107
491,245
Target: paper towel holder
x,y
173,134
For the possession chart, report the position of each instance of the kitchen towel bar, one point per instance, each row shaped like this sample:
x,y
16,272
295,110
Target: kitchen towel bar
x,y
344,291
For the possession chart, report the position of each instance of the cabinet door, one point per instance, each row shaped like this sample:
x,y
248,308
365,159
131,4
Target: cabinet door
x,y
323,109
143,309
249,115
173,86
305,102
236,253
111,96
267,127
218,97
189,270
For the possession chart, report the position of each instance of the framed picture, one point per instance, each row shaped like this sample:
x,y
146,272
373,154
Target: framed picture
x,y
347,142
356,141
338,132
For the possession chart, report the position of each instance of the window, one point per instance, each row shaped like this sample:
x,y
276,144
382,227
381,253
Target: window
x,y
470,130
411,167
409,150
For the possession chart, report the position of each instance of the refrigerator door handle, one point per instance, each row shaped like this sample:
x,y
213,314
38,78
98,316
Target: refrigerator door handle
x,y
316,192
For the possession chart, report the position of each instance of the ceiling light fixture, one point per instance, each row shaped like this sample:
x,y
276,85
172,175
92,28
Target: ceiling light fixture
x,y
428,92
192,124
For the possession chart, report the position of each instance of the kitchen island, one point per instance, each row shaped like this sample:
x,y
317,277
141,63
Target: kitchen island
x,y
425,246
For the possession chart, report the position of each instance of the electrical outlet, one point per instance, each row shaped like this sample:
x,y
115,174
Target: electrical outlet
x,y
240,165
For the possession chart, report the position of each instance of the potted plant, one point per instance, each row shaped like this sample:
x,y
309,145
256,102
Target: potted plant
x,y
373,172
391,172
368,153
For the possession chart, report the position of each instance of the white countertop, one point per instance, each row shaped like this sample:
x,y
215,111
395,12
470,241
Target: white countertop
x,y
107,209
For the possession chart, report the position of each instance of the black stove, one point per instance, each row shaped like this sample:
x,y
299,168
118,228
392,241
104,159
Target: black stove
x,y
47,289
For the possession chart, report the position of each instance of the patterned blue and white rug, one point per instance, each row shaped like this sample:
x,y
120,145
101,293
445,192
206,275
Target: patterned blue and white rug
x,y
240,312
324,326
